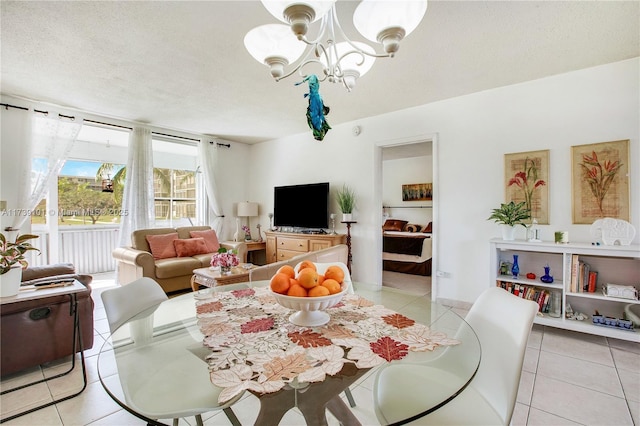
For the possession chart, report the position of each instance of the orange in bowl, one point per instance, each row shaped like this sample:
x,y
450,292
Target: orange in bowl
x,y
308,278
280,283
334,272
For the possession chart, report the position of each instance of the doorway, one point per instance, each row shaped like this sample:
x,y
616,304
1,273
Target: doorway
x,y
408,202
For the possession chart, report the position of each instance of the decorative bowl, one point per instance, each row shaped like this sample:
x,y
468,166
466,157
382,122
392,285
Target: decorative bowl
x,y
309,310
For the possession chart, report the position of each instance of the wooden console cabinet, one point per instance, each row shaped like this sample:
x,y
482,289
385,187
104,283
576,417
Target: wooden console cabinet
x,y
285,245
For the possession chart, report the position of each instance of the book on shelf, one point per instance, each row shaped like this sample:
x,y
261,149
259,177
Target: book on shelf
x,y
593,281
539,295
583,279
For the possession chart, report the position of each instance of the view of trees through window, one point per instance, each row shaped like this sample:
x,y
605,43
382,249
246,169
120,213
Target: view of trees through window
x,y
82,201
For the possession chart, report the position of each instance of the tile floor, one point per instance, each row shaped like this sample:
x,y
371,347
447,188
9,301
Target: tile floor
x,y
568,378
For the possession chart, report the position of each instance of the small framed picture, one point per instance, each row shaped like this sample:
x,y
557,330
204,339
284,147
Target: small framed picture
x,y
417,192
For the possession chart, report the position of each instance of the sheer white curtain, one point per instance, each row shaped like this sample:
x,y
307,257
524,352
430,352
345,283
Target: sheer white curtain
x,y
208,153
137,200
49,144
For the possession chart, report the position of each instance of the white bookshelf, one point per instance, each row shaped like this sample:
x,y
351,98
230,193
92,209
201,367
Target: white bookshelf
x,y
614,264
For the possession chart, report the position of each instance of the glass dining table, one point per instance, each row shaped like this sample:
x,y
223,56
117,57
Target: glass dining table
x,y
242,340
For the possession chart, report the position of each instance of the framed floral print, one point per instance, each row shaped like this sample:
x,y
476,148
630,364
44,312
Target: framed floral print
x,y
527,179
600,181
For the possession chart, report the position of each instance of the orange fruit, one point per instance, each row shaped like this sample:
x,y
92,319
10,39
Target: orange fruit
x,y
280,283
293,281
287,269
334,272
307,264
318,291
308,278
320,279
333,286
297,290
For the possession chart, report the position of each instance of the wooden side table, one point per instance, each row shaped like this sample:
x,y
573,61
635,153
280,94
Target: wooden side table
x,y
209,277
349,256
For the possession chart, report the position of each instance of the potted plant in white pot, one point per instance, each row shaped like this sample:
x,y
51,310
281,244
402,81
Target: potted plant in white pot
x,y
509,215
12,261
347,202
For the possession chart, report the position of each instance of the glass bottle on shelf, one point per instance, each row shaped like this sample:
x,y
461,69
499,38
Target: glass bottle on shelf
x,y
556,304
515,269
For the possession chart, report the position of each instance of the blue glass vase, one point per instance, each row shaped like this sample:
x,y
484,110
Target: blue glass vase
x,y
515,269
546,278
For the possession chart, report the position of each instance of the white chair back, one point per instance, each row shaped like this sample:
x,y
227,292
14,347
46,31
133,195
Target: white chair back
x,y
502,322
135,300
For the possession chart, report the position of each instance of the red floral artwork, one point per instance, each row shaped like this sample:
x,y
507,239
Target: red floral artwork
x,y
398,321
257,325
599,176
308,339
528,181
389,349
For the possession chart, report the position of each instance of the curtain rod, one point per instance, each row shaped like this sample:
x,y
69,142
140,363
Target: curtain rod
x,y
70,117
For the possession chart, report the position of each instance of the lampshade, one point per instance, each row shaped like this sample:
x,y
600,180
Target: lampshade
x,y
379,20
247,209
268,43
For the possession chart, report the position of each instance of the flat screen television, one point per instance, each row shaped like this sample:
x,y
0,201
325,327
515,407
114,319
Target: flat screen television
x,y
302,206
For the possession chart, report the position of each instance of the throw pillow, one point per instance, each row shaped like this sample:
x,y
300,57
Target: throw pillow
x,y
210,239
190,247
162,245
410,227
427,229
394,225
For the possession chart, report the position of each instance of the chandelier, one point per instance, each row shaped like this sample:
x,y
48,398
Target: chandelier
x,y
340,59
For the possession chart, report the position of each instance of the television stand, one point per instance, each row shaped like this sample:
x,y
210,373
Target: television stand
x,y
285,245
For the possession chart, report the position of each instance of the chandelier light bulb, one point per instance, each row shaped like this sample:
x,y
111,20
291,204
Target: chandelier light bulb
x,y
274,46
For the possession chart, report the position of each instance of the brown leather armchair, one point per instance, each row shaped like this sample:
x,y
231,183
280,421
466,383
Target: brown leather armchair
x,y
40,331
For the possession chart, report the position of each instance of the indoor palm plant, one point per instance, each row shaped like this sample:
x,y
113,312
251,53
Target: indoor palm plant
x,y
510,215
346,201
12,261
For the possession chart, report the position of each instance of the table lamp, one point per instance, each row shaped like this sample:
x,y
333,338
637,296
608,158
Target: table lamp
x,y
246,209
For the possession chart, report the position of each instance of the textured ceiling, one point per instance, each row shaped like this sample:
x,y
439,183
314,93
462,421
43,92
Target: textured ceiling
x,y
182,65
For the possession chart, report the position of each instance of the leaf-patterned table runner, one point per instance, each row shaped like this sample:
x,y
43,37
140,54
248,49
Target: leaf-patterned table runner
x,y
255,347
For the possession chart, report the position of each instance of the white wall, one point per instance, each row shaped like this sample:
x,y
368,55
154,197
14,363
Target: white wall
x,y
474,132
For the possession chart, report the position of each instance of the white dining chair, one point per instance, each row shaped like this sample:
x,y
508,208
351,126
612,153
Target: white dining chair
x,y
145,391
502,323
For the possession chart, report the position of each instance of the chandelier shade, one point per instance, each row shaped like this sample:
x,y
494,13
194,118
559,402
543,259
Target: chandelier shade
x,y
274,45
388,21
342,60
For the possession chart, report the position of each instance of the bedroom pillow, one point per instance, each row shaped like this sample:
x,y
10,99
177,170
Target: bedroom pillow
x,y
427,229
190,246
411,227
394,225
162,245
210,239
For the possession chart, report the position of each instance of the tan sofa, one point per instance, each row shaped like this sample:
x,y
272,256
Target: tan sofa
x,y
336,253
173,274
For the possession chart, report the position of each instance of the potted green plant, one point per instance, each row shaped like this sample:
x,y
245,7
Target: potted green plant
x,y
509,215
346,201
12,261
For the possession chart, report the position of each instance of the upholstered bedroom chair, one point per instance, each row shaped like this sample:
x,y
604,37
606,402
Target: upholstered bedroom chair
x,y
502,323
134,304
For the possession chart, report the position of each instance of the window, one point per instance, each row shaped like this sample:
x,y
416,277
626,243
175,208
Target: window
x,y
175,197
